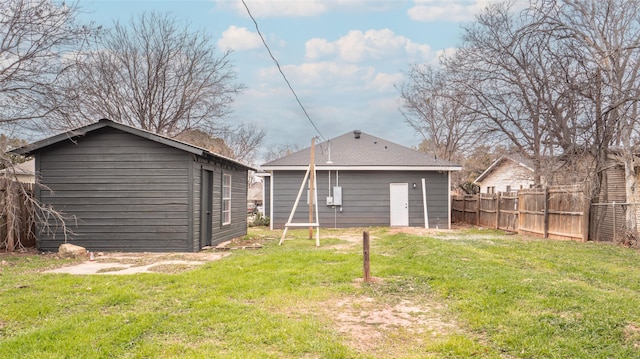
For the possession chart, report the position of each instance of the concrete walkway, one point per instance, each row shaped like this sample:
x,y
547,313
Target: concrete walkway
x,y
102,266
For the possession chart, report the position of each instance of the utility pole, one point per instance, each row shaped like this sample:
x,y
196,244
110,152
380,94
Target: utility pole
x,y
312,179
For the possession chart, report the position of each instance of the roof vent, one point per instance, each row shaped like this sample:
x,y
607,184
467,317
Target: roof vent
x,y
356,134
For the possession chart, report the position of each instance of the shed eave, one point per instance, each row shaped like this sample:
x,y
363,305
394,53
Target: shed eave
x,y
30,149
363,168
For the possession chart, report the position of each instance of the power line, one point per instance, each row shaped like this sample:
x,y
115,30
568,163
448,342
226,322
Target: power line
x,y
282,73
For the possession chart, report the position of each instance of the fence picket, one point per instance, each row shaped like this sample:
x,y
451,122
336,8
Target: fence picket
x,y
555,212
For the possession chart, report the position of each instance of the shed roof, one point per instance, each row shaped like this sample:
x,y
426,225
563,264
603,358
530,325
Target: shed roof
x,y
361,151
30,149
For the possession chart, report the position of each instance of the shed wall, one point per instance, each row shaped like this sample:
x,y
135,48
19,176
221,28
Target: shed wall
x,y
127,192
239,186
365,198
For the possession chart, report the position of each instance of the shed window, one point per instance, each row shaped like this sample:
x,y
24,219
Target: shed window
x,y
226,199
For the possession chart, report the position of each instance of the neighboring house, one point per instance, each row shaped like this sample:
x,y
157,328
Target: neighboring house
x,y
362,181
608,216
133,190
506,174
24,172
255,194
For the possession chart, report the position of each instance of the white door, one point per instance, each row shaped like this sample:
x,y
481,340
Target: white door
x,y
399,204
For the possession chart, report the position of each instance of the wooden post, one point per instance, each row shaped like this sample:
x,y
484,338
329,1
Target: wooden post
x,y
545,230
498,211
519,204
478,209
312,197
365,256
585,218
464,209
11,212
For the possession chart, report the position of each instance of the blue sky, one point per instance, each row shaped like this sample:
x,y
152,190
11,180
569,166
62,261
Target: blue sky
x,y
342,57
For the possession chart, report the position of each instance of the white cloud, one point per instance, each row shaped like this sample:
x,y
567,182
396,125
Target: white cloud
x,y
448,52
239,39
358,46
319,74
271,8
305,8
386,82
332,79
445,10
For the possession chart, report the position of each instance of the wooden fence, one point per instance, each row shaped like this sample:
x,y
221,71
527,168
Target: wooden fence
x,y
498,211
17,227
556,212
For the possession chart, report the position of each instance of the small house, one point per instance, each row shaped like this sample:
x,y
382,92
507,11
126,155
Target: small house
x,y
361,180
22,172
126,189
506,174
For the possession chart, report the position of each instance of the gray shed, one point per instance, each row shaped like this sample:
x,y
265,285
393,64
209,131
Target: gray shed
x,y
362,181
133,190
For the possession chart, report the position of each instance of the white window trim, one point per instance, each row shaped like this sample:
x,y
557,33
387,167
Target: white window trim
x,y
226,220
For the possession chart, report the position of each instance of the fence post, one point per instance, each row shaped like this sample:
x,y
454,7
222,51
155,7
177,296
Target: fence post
x,y
478,209
498,211
614,221
519,204
545,229
585,218
11,209
464,208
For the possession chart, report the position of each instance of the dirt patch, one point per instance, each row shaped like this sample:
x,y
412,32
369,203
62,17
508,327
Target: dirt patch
x,y
371,326
418,231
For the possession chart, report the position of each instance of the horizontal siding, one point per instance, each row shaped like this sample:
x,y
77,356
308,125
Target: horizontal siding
x,y
365,198
238,225
127,193
126,178
151,202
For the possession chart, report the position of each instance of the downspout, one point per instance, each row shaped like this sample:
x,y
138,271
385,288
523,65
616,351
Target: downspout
x,y
271,200
424,204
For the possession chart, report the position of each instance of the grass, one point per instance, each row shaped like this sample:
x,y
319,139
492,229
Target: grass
x,y
469,293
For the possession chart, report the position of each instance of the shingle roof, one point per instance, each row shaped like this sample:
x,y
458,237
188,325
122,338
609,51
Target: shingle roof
x,y
366,151
517,159
29,149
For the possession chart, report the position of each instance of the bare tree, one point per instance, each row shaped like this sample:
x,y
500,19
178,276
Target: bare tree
x,y
244,140
154,74
431,105
275,152
35,37
604,39
496,66
207,141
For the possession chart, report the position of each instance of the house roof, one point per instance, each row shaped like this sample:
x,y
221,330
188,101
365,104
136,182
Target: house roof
x,y
518,160
27,168
360,151
30,149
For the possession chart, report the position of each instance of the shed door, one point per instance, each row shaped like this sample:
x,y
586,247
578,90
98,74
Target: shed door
x,y
206,207
399,204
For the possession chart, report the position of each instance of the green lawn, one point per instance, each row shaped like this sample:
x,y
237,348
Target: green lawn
x,y
453,294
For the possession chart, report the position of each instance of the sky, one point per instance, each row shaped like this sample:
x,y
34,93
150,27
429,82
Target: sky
x,y
343,58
